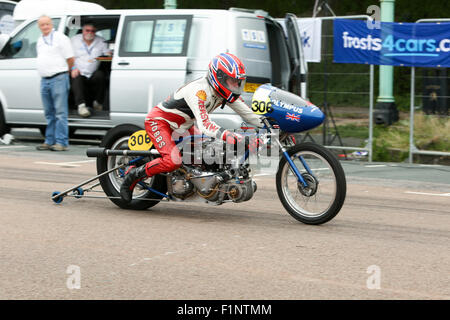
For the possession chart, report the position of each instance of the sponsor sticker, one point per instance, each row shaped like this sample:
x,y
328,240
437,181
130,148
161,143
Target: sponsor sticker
x,y
201,94
261,103
292,117
140,141
253,35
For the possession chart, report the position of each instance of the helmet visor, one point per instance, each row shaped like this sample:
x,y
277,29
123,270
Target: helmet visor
x,y
236,86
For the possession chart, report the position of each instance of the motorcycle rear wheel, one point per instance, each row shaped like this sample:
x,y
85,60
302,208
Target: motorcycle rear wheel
x,y
117,138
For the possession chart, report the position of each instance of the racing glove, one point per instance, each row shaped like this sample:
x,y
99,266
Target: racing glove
x,y
252,143
232,137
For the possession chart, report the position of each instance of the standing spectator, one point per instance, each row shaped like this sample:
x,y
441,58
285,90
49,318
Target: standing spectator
x,y
54,60
87,80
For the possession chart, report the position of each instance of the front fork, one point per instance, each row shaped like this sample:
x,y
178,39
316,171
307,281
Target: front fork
x,y
292,165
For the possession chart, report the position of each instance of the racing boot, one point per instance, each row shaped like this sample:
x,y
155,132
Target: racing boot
x,y
132,177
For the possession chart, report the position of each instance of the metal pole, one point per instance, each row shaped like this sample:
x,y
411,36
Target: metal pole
x,y
325,89
170,4
386,72
411,120
371,113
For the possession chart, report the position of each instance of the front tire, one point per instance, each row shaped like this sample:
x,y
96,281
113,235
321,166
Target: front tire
x,y
322,200
117,138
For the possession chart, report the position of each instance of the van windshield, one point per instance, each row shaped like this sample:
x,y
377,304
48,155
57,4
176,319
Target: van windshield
x,y
23,44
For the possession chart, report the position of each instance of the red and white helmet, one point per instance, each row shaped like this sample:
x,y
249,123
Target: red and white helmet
x,y
226,74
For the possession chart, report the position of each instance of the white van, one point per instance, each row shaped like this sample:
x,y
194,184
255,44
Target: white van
x,y
154,52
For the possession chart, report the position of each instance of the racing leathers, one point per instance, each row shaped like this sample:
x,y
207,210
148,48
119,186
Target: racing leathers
x,y
191,104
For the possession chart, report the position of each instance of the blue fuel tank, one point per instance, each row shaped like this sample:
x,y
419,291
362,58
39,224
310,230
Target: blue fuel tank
x,y
292,113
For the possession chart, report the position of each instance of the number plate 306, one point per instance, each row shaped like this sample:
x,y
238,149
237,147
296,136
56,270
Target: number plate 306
x,y
140,141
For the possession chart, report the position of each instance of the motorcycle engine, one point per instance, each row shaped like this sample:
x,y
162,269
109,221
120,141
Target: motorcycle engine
x,y
181,188
214,181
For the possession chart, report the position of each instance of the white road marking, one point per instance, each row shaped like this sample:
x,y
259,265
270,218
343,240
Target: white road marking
x,y
375,165
11,147
65,164
81,161
262,174
167,253
430,165
429,194
57,164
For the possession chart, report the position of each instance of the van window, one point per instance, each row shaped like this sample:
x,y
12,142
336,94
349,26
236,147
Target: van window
x,y
169,36
138,37
105,34
106,26
155,36
23,44
279,55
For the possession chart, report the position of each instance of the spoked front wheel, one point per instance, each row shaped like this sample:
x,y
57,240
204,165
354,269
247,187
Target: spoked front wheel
x,y
324,194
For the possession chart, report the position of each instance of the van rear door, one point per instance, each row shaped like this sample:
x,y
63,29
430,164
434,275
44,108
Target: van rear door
x,y
252,48
298,63
279,54
149,63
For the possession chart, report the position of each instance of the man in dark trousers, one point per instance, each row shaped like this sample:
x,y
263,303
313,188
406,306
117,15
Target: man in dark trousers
x,y
87,81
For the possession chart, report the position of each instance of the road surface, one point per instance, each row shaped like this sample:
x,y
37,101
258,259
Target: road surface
x,y
390,240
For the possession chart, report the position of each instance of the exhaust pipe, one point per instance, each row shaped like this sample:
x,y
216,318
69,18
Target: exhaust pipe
x,y
103,152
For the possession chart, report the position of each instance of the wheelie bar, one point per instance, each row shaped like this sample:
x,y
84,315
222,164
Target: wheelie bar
x,y
102,152
58,196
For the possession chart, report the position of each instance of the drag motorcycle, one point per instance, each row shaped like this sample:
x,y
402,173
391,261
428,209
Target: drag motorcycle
x,y
310,181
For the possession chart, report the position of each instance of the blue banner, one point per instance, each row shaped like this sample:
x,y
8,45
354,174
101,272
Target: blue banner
x,y
395,44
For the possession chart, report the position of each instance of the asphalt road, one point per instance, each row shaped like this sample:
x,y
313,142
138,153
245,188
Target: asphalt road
x,y
390,240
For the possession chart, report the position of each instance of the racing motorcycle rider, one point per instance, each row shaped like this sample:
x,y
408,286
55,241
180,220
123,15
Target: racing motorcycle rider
x,y
193,102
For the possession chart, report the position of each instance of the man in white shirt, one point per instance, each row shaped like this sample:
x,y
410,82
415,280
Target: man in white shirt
x,y
54,59
88,83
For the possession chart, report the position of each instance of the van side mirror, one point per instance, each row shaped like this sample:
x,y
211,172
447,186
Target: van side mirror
x,y
4,38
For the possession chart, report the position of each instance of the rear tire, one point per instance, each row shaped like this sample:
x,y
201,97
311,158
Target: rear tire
x,y
117,138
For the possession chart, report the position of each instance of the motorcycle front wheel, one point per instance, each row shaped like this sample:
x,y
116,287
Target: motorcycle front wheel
x,y
323,197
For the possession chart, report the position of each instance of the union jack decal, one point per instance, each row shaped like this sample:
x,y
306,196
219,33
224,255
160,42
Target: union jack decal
x,y
292,117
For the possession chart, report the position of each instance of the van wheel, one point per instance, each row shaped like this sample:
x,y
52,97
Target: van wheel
x,y
4,129
117,138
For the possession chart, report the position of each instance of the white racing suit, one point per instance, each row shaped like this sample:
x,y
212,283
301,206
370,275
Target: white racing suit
x,y
192,103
